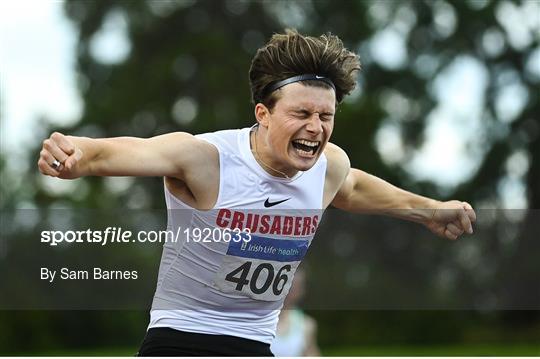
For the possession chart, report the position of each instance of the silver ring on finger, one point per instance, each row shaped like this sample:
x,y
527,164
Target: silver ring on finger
x,y
56,164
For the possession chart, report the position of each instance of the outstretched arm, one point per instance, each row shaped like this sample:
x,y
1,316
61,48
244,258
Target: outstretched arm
x,y
172,155
361,192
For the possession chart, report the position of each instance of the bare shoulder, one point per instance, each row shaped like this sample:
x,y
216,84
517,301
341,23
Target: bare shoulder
x,y
338,161
198,181
337,169
189,154
203,154
186,145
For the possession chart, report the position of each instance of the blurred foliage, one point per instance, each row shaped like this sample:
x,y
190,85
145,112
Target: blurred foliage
x,y
187,71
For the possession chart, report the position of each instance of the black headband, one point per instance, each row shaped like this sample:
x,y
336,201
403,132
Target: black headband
x,y
277,85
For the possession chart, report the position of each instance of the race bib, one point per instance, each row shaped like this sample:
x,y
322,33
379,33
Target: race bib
x,y
262,268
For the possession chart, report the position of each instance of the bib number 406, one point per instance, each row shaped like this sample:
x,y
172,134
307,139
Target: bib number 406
x,y
243,276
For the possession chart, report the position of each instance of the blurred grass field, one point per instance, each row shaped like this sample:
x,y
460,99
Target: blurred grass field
x,y
435,350
525,349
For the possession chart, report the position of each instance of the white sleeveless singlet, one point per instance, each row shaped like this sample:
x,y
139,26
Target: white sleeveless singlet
x,y
209,285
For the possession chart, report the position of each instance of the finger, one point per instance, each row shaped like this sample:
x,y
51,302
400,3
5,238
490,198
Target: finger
x,y
46,169
470,211
63,143
49,160
73,159
454,229
51,146
449,234
465,221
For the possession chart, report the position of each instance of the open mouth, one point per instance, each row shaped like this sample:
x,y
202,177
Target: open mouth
x,y
305,147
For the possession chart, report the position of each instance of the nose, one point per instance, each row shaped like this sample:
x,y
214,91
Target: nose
x,y
315,124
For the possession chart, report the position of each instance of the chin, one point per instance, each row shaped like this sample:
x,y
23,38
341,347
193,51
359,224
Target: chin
x,y
304,164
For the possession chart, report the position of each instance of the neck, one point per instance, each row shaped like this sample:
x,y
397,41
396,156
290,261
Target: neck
x,y
266,164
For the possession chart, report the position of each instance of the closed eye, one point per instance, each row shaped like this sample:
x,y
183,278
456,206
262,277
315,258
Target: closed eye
x,y
327,116
302,114
306,114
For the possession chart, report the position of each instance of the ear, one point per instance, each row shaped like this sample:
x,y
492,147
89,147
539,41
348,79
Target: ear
x,y
262,114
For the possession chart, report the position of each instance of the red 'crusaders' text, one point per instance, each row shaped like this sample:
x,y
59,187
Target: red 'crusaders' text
x,y
266,224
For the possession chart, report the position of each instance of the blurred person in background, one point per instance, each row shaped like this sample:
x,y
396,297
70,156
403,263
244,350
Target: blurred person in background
x,y
296,333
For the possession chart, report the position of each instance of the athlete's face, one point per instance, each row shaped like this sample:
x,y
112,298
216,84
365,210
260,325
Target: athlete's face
x,y
299,126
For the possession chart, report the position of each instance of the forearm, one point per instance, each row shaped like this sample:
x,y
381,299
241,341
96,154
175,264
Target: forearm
x,y
364,193
91,150
104,157
373,195
410,206
125,156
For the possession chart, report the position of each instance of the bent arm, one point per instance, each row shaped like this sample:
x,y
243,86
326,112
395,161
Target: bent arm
x,y
359,192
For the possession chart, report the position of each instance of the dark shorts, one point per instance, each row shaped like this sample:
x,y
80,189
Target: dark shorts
x,y
171,342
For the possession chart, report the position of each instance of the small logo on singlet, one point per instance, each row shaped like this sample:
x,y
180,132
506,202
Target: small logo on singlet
x,y
269,204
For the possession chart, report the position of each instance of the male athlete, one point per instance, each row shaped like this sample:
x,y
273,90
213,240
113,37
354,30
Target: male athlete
x,y
271,181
